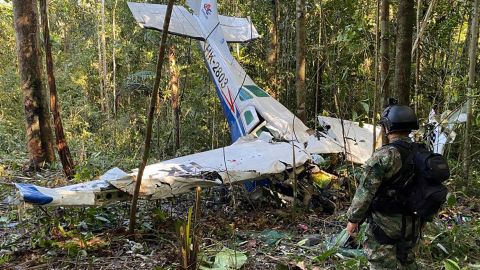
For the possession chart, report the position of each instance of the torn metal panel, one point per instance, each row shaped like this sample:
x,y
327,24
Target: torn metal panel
x,y
440,129
247,159
321,143
359,140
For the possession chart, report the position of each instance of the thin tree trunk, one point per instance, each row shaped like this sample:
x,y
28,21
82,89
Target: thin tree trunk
x,y
62,146
39,132
376,70
175,98
319,68
104,60
417,56
100,61
114,61
403,62
384,53
274,50
300,63
421,27
151,111
472,56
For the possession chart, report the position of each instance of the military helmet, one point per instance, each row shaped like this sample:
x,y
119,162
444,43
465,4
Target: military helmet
x,y
399,118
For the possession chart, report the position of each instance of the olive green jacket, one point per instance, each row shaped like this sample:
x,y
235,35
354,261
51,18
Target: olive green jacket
x,y
381,167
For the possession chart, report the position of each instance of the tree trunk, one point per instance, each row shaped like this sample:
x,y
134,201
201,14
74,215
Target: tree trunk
x,y
39,132
105,100
376,88
62,146
422,26
384,52
175,98
417,57
151,111
100,66
300,56
274,50
403,62
472,56
114,63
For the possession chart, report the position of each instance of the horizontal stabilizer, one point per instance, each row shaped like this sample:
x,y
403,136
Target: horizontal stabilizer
x,y
183,23
238,30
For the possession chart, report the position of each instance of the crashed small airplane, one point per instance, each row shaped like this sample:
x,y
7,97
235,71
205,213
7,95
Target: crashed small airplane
x,y
269,142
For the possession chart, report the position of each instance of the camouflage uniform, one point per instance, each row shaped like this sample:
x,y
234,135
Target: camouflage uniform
x,y
383,164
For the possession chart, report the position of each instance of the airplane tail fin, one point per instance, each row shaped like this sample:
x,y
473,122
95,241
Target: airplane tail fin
x,y
207,12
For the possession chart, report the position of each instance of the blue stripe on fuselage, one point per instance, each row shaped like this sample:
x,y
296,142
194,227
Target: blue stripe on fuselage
x,y
236,127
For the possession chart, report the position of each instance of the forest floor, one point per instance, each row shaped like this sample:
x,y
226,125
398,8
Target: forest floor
x,y
266,233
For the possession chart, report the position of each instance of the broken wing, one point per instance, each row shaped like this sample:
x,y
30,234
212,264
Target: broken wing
x,y
247,159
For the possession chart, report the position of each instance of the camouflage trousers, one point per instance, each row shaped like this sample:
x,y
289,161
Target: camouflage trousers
x,y
385,256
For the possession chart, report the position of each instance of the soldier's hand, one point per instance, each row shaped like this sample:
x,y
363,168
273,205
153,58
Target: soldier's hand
x,y
352,228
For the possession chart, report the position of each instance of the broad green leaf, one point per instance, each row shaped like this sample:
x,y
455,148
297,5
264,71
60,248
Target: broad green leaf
x,y
365,106
227,259
451,265
325,255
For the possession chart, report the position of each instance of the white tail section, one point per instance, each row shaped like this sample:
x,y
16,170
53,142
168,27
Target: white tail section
x,y
208,16
248,109
194,5
183,23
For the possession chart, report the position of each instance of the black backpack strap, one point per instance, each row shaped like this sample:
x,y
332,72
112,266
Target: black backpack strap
x,y
407,153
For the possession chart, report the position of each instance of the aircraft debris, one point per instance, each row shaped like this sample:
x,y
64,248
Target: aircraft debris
x,y
267,138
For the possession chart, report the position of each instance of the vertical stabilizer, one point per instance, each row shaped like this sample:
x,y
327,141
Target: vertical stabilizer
x,y
208,15
210,22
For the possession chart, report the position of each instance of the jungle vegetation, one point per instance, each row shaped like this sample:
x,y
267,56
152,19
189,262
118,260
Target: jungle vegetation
x,y
91,76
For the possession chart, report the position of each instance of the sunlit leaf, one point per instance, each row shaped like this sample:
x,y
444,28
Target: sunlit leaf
x,y
451,265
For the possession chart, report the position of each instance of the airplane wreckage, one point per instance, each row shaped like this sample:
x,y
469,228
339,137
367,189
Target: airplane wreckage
x,y
269,142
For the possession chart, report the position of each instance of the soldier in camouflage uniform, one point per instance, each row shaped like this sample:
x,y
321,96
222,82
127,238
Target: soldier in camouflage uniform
x,y
398,121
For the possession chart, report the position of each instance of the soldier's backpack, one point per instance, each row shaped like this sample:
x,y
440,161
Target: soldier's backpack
x,y
417,189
